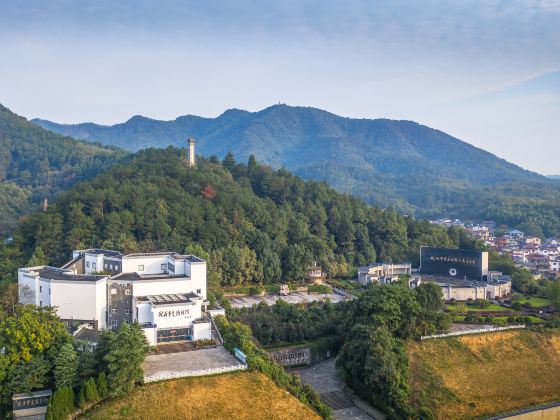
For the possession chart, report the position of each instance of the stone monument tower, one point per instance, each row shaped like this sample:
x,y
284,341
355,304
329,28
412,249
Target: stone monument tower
x,y
192,157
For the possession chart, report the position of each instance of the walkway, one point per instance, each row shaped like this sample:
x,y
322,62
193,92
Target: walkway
x,y
293,298
322,377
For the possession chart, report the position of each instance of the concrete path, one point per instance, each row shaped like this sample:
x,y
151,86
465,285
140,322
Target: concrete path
x,y
322,377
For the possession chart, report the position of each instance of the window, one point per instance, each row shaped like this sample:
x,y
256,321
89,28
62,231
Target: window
x,y
113,290
163,267
127,311
40,303
40,289
128,292
87,264
93,266
105,265
141,268
113,310
49,291
198,291
113,323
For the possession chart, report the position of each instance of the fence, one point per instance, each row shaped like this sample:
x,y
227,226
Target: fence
x,y
185,373
343,292
477,331
217,330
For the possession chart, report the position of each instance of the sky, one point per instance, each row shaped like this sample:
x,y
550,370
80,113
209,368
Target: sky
x,y
485,71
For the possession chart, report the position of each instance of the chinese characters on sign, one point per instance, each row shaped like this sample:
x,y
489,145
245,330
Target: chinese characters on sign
x,y
173,313
462,260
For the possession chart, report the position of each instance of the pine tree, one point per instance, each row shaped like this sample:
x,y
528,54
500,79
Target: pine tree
x,y
61,404
38,258
102,385
65,366
124,359
229,162
91,392
81,399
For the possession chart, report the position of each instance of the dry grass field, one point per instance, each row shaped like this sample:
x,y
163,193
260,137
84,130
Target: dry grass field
x,y
477,375
240,395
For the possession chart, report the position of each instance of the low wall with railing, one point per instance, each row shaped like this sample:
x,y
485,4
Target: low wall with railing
x,y
477,331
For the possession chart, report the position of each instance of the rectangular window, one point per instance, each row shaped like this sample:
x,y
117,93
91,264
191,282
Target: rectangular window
x,y
49,291
113,290
93,266
127,311
113,323
199,291
40,289
40,303
113,310
105,266
128,292
87,264
140,268
163,267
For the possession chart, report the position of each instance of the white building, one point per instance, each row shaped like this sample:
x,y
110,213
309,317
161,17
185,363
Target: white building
x,y
382,273
163,291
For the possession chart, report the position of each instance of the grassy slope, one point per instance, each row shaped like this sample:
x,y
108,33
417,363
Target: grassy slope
x,y
476,375
242,395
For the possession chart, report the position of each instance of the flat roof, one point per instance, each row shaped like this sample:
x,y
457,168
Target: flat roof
x,y
98,251
169,298
53,273
171,254
138,277
459,282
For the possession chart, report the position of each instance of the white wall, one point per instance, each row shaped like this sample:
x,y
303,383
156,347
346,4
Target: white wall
x,y
152,264
78,299
197,272
202,331
28,282
145,314
162,286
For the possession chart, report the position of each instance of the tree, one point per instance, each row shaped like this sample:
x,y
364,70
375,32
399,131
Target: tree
x,y
90,390
553,292
61,404
229,162
31,330
102,387
124,359
24,376
374,364
65,366
38,258
81,397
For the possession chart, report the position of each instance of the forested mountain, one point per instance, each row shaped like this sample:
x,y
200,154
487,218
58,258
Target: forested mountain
x,y
37,163
255,225
414,168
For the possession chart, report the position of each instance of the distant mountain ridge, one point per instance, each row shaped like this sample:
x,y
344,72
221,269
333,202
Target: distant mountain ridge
x,y
404,164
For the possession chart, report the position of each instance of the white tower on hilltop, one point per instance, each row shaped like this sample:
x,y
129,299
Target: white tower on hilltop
x,y
192,161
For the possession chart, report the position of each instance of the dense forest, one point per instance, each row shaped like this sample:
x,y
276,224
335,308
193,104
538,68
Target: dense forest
x,y
36,163
253,224
401,164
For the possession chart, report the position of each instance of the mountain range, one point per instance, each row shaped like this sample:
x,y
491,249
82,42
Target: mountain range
x,y
415,168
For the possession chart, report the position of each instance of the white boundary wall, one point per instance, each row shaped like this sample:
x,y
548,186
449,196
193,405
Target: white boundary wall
x,y
477,331
182,374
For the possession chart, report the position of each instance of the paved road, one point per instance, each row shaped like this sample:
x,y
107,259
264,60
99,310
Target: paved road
x,y
322,377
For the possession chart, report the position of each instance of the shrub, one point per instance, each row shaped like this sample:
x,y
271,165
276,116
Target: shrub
x,y
516,305
488,319
511,319
319,288
527,319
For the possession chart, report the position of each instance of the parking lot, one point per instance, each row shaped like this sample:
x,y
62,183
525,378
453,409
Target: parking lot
x,y
293,298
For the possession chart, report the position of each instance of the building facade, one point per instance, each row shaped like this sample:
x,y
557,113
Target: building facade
x,y
382,273
165,292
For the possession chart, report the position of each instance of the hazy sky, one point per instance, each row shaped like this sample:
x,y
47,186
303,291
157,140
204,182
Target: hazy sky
x,y
465,67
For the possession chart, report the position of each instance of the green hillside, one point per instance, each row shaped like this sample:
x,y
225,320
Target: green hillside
x,y
36,163
414,168
258,226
